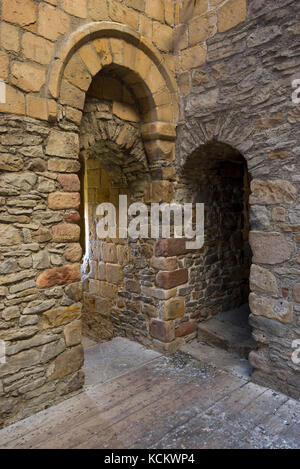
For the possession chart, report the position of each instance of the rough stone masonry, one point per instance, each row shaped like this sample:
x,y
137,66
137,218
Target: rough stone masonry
x,y
162,100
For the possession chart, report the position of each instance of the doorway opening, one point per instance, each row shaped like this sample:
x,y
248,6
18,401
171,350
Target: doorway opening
x,y
216,175
114,163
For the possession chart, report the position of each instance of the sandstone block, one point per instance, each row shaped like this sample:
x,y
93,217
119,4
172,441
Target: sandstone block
x,y
4,65
279,310
73,253
269,248
202,28
162,330
75,7
21,12
164,263
114,273
77,74
173,309
59,276
63,200
68,362
58,316
72,217
65,233
262,280
71,95
193,57
169,280
170,247
37,48
63,166
232,13
9,37
15,100
63,144
36,107
28,77
72,333
52,22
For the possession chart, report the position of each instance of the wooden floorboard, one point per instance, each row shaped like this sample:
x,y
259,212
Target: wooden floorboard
x,y
161,405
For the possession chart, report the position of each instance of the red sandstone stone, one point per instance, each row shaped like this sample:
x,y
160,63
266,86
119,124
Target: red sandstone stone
x,y
59,276
168,280
72,217
63,200
69,182
185,328
162,330
170,247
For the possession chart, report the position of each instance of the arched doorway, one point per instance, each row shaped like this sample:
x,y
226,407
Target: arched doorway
x,y
216,174
114,163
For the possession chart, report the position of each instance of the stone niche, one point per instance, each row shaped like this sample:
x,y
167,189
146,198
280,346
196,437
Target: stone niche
x,y
217,176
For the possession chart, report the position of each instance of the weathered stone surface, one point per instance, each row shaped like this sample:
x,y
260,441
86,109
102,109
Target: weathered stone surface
x,y
65,233
279,310
232,13
125,111
36,48
164,263
186,328
59,276
162,330
272,192
63,200
69,182
52,350
168,280
21,12
170,247
173,309
63,144
72,333
63,166
9,235
72,217
10,162
28,77
68,362
52,22
269,248
262,280
73,253
9,37
114,273
74,291
296,292
62,315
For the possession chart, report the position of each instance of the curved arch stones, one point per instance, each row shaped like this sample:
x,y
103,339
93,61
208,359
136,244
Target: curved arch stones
x,y
117,44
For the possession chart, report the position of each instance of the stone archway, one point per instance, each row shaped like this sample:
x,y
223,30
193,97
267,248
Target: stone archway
x,y
91,59
218,289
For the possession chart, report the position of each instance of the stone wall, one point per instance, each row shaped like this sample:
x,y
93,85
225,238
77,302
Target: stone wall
x,y
40,266
49,54
234,61
240,95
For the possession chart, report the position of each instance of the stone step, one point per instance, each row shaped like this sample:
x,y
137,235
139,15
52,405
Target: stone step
x,y
229,331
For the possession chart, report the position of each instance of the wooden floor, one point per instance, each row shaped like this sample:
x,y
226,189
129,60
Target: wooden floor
x,y
165,403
